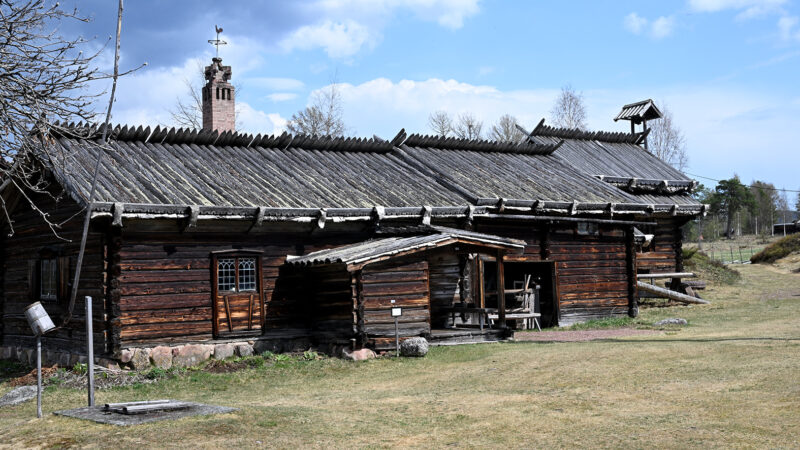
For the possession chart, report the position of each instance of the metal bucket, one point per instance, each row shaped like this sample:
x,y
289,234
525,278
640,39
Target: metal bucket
x,y
38,319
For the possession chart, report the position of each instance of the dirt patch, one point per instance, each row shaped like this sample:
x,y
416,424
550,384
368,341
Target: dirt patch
x,y
217,366
581,335
30,378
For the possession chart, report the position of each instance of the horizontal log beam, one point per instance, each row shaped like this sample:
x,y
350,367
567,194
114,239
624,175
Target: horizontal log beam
x,y
672,295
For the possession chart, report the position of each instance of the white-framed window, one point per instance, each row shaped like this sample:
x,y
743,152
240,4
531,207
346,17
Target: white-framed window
x,y
48,279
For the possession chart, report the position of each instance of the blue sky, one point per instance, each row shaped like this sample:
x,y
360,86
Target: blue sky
x,y
727,69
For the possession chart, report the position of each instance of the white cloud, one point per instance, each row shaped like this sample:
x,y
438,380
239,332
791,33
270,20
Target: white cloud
x,y
662,27
635,23
282,96
786,26
658,29
749,8
383,106
254,121
339,39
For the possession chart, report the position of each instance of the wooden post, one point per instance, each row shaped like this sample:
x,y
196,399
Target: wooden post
x,y
481,285
501,291
39,375
630,262
89,350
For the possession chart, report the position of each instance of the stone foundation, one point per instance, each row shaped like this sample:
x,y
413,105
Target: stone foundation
x,y
162,356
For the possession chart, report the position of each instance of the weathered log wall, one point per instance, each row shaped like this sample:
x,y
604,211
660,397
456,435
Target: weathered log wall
x,y
165,282
664,252
21,254
445,272
406,282
590,268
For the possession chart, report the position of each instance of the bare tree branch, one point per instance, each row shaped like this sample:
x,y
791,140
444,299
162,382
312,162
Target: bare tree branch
x,y
43,80
667,142
440,123
468,127
569,110
324,117
505,130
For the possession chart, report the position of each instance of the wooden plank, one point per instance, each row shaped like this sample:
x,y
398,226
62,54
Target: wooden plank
x,y
672,295
666,275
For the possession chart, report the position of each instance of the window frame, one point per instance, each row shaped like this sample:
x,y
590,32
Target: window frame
x,y
53,272
237,256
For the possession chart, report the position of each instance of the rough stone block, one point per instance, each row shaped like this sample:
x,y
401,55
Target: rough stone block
x,y
161,357
358,355
191,355
267,346
415,346
125,356
244,349
222,351
141,358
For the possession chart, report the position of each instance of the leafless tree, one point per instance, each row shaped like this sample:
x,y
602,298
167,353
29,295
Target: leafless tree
x,y
569,110
505,130
323,117
44,80
667,142
468,126
440,123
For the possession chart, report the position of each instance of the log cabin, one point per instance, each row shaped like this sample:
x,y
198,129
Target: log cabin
x,y
283,242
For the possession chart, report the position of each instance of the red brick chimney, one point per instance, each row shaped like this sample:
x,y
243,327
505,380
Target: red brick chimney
x,y
219,112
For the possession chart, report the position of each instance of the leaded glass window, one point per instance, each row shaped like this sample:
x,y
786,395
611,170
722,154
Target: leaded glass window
x,y
247,274
226,274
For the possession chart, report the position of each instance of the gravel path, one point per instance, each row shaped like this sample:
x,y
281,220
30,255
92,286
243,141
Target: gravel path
x,y
580,335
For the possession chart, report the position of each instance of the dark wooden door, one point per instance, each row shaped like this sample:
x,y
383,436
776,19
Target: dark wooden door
x,y
238,295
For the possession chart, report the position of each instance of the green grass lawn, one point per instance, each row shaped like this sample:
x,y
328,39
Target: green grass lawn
x,y
729,379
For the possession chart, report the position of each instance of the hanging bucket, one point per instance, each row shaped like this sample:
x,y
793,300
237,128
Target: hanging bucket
x,y
38,319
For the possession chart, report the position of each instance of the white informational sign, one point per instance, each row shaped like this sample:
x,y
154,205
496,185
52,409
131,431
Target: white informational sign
x,y
397,312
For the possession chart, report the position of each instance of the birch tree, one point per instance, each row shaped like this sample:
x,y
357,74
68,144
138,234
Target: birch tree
x,y
505,130
323,117
440,123
666,141
467,126
569,110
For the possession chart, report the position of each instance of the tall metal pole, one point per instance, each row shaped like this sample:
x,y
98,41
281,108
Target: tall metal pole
x,y
38,375
90,349
396,337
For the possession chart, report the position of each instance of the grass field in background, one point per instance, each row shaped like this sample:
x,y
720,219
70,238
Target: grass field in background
x,y
729,379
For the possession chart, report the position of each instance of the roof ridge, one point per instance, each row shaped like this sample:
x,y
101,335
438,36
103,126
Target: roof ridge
x,y
480,145
576,133
172,135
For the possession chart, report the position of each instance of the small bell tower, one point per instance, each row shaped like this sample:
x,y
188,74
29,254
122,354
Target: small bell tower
x,y
219,105
639,113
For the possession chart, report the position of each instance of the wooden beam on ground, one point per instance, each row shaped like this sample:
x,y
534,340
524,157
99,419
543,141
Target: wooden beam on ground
x,y
666,275
672,295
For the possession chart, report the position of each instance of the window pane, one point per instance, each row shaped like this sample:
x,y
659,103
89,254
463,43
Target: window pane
x,y
247,274
226,273
49,279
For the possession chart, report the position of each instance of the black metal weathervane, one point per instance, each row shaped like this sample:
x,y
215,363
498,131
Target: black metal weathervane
x,y
217,42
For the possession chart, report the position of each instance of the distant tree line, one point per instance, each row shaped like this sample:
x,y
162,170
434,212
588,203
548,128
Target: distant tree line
x,y
739,209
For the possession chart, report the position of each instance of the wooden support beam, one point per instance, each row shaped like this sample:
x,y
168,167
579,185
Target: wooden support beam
x,y
672,295
501,290
259,219
119,208
630,266
194,213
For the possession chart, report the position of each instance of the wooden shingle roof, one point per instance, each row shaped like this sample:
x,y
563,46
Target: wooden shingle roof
x,y
172,172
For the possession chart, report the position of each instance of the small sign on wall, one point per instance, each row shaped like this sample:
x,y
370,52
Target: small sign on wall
x,y
397,312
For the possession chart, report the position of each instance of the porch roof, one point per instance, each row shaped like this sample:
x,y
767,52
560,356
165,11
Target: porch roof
x,y
374,250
